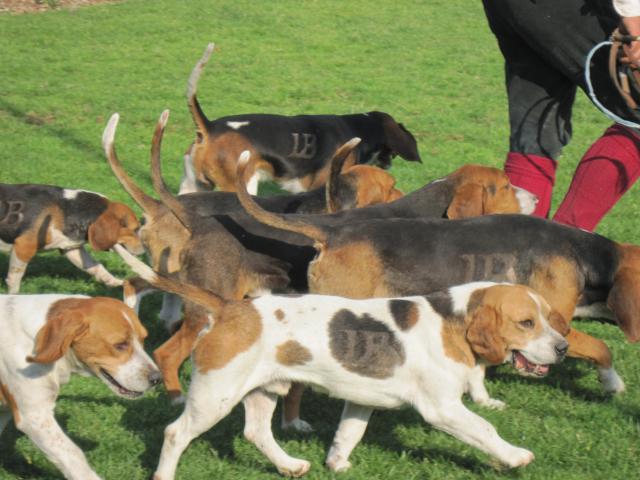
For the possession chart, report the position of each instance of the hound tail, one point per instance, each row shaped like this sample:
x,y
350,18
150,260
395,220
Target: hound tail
x,y
269,218
156,174
149,204
199,118
200,296
337,165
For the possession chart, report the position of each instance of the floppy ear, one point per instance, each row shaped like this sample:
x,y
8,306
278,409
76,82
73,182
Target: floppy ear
x,y
103,233
467,202
624,301
55,338
558,323
484,336
401,141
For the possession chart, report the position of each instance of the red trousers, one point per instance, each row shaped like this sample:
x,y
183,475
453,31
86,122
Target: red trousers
x,y
604,174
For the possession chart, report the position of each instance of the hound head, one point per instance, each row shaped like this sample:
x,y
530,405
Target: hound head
x,y
117,224
105,336
513,323
481,190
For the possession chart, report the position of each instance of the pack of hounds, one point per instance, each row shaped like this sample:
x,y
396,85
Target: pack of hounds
x,y
379,298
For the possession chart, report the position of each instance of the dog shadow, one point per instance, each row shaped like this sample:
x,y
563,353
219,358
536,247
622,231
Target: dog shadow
x,y
565,377
17,464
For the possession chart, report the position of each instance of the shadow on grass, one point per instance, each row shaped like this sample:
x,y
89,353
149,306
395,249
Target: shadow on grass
x,y
45,127
564,377
22,467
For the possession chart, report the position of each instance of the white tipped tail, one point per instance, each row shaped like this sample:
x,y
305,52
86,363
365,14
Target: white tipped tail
x,y
164,118
244,158
110,132
197,70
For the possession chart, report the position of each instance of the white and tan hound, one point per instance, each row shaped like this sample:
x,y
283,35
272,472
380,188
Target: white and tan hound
x,y
46,338
382,353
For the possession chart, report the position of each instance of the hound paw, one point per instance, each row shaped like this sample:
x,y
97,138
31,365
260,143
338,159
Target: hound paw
x,y
298,425
492,403
296,468
337,464
113,282
177,400
520,457
611,381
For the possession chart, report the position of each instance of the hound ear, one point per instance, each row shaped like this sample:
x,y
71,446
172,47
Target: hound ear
x,y
558,323
401,141
103,233
467,202
55,338
624,301
484,336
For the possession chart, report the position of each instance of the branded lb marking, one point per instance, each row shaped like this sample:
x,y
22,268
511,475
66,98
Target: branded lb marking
x,y
364,345
496,267
11,213
307,149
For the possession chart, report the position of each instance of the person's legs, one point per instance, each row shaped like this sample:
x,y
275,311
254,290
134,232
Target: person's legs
x,y
605,173
540,101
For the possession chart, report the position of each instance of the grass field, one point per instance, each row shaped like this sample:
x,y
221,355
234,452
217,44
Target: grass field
x,y
433,64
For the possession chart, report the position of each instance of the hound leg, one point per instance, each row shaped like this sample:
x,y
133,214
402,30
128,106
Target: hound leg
x,y
291,410
172,353
43,430
478,390
353,423
587,347
211,398
85,262
259,407
21,254
5,417
171,311
188,183
455,419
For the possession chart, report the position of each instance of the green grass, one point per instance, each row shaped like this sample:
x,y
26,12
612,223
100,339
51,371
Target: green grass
x,y
433,65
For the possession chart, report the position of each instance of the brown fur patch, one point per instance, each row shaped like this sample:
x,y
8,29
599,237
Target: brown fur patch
x,y
279,314
7,399
374,185
328,272
93,327
292,353
405,313
455,344
482,190
215,160
556,279
237,329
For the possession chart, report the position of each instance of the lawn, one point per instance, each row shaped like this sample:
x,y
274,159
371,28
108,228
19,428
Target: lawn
x,y
433,64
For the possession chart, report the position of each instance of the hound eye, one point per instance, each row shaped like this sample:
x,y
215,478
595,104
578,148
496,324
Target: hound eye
x,y
527,323
122,346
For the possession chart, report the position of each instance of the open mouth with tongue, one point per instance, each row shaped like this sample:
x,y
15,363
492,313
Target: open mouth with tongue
x,y
527,368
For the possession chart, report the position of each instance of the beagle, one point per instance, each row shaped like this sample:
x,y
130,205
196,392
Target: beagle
x,y
46,338
177,239
472,190
45,217
376,353
396,256
292,150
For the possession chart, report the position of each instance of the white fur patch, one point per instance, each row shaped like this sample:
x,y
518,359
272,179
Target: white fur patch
x,y
237,125
71,194
293,186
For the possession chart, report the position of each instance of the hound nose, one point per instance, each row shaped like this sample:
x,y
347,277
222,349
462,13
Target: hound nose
x,y
155,378
561,349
